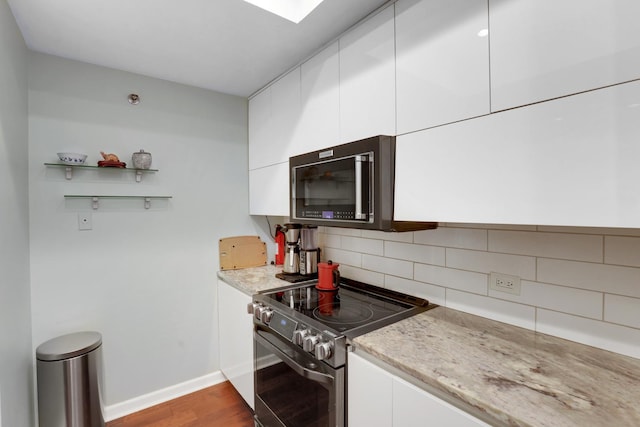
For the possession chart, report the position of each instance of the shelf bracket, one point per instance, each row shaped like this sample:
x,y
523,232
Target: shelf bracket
x,y
138,175
69,172
147,202
94,203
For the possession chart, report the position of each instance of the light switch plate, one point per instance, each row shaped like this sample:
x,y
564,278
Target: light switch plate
x,y
84,221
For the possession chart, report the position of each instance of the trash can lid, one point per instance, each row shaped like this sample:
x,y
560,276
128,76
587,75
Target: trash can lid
x,y
68,346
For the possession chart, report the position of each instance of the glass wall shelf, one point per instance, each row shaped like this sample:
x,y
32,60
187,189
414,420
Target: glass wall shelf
x,y
95,199
69,169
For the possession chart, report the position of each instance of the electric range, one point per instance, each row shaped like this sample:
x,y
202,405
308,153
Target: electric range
x,y
301,338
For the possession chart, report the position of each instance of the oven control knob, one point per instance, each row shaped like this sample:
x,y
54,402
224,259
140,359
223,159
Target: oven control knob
x,y
266,315
251,307
299,335
309,342
257,312
324,350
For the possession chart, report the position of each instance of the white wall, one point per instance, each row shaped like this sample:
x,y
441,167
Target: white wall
x,y
582,284
15,312
143,278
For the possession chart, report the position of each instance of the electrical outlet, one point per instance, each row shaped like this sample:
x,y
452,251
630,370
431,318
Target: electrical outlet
x,y
84,221
504,283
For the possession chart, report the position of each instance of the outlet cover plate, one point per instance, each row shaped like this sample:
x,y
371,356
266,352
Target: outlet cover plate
x,y
504,283
84,221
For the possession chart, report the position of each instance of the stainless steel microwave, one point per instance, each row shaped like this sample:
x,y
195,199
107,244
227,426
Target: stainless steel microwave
x,y
349,185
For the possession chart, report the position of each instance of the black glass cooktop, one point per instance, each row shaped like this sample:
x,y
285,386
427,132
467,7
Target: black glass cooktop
x,y
346,308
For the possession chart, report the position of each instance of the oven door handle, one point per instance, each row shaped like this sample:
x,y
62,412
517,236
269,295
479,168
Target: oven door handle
x,y
300,370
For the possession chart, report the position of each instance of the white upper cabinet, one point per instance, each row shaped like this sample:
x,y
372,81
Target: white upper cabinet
x,y
285,95
260,129
442,62
319,102
273,114
367,79
546,49
269,190
571,161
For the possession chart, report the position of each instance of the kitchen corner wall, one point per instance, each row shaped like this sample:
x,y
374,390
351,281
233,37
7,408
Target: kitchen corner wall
x,y
581,284
144,278
16,404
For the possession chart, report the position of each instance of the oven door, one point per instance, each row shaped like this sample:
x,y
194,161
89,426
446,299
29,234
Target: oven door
x,y
292,389
336,189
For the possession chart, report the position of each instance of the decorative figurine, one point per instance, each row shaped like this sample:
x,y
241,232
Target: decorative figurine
x,y
111,160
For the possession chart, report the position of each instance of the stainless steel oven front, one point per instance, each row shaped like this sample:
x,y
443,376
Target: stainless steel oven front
x,y
292,388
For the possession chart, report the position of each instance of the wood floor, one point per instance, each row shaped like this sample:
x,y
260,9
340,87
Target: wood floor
x,y
220,405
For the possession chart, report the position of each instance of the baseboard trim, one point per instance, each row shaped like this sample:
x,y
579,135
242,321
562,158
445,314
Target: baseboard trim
x,y
145,401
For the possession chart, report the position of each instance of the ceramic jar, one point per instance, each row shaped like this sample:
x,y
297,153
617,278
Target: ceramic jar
x,y
141,160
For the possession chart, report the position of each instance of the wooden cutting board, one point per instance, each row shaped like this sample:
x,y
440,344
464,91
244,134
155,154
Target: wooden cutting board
x,y
242,252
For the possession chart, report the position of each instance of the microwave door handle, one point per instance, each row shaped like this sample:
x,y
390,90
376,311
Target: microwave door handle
x,y
359,214
300,370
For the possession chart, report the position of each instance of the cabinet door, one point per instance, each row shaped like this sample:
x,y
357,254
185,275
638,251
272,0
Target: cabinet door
x,y
285,95
269,190
273,115
260,129
442,62
319,102
369,394
235,329
546,49
571,161
367,79
413,406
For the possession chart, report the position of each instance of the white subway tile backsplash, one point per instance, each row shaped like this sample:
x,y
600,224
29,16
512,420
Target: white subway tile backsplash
x,y
622,250
486,262
391,266
331,240
366,246
406,237
578,247
603,335
578,283
491,308
622,310
464,238
595,277
559,298
451,278
435,294
592,230
366,276
342,257
491,226
411,252
343,231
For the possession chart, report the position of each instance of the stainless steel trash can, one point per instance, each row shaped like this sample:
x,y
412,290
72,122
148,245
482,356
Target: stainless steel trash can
x,y
69,370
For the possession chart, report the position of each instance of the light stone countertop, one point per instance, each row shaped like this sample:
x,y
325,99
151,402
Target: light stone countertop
x,y
516,376
254,280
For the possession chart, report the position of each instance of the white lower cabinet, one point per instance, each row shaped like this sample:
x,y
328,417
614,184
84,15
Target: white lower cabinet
x,y
235,330
571,162
369,395
269,190
378,398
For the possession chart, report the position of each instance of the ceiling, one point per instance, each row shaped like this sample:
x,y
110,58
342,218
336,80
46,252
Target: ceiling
x,y
229,46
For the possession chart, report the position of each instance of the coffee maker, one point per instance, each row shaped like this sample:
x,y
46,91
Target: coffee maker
x,y
292,251
309,250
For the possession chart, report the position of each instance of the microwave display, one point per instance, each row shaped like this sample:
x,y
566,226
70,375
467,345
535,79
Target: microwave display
x,y
336,189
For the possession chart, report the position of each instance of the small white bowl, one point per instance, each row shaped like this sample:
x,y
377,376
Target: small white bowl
x,y
72,158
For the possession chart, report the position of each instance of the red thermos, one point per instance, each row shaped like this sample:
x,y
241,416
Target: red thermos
x,y
280,242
